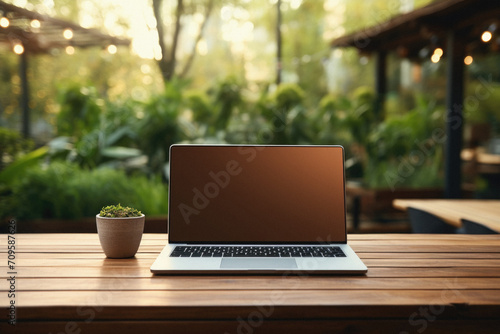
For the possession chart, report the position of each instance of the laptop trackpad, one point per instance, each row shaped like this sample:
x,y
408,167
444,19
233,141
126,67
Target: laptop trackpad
x,y
260,263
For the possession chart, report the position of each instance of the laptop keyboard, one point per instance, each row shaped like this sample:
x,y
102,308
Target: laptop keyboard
x,y
257,251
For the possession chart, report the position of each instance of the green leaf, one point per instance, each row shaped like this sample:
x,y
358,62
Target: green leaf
x,y
119,152
118,134
19,166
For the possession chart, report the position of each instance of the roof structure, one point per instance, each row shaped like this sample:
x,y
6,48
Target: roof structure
x,y
409,33
29,33
39,33
456,28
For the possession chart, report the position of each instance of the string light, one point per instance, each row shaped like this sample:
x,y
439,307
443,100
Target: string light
x,y
112,49
486,36
35,24
68,33
18,49
70,50
468,60
4,22
436,56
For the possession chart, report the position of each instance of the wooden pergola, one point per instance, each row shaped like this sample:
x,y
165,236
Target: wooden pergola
x,y
27,32
455,26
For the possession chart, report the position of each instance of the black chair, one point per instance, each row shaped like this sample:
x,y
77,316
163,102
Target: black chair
x,y
470,227
425,222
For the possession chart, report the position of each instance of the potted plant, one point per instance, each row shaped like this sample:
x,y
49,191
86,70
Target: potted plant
x,y
120,230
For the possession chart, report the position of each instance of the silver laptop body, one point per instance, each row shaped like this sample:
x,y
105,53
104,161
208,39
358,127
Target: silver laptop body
x,y
241,209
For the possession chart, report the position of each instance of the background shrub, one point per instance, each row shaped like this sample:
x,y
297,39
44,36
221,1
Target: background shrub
x,y
65,191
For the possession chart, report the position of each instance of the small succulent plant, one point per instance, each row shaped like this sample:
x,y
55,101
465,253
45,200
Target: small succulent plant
x,y
117,211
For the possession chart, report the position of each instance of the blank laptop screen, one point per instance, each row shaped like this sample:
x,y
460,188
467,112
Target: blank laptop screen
x,y
256,194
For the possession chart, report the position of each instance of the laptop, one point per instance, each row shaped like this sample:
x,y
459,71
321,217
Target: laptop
x,y
246,209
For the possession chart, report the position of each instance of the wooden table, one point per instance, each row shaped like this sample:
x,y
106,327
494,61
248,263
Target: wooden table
x,y
415,284
486,163
485,212
377,203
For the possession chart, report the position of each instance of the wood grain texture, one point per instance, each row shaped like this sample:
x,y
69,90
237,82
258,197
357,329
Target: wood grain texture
x,y
65,284
256,283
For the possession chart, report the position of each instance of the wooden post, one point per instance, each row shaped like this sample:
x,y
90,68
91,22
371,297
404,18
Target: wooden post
x,y
380,83
454,114
25,95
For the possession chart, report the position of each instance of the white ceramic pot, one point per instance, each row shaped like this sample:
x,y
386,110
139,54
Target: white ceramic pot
x,y
120,237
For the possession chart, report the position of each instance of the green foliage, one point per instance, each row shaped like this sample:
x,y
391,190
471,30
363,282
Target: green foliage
x,y
111,142
328,104
128,132
404,151
327,125
13,172
200,106
12,145
19,166
225,115
399,134
79,112
361,118
481,103
119,211
66,191
160,126
288,96
227,98
285,111
406,171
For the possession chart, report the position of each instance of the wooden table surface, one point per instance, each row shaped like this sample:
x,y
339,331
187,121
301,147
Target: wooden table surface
x,y
415,284
486,212
480,155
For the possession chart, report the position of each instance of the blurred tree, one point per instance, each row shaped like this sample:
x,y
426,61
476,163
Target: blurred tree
x,y
168,61
304,46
